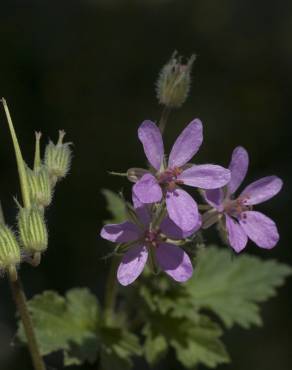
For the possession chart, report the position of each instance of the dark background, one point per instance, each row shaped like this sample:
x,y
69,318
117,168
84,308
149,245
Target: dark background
x,y
90,67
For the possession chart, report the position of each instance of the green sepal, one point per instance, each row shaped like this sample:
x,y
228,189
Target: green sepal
x,y
9,248
33,234
40,187
57,158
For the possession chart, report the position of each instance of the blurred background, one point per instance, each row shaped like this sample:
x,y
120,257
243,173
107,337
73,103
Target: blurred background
x,y
89,67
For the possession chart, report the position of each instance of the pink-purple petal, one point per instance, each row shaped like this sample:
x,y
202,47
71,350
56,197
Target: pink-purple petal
x,y
171,230
262,190
260,229
238,168
147,189
132,264
136,202
214,197
174,261
236,235
142,210
205,176
187,144
120,233
182,209
150,136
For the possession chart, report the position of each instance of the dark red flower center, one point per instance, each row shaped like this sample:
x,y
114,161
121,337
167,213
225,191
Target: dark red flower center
x,y
152,237
168,178
236,207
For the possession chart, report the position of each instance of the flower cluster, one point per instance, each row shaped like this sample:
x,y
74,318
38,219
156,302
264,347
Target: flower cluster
x,y
165,216
164,213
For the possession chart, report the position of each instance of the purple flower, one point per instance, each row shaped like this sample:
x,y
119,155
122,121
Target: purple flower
x,y
164,179
241,221
145,240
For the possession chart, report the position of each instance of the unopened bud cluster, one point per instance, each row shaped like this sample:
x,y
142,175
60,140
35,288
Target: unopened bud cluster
x,y
174,82
40,181
33,235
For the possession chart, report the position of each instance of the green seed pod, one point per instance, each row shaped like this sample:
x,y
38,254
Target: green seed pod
x,y
32,229
174,82
9,248
40,186
58,158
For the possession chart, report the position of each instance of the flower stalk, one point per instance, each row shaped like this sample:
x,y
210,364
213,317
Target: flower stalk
x,y
163,119
111,290
21,303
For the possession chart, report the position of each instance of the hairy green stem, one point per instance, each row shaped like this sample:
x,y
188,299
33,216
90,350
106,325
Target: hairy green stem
x,y
111,289
20,301
164,118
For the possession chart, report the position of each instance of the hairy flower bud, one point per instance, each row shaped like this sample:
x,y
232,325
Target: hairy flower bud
x,y
9,248
32,230
135,174
58,158
173,84
40,186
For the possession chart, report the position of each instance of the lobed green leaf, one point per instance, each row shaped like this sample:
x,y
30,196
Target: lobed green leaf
x,y
233,286
66,323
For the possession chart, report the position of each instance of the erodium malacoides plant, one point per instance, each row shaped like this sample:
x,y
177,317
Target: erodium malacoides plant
x,y
164,279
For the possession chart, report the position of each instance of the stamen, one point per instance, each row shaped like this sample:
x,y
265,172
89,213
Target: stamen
x,y
152,238
168,178
236,207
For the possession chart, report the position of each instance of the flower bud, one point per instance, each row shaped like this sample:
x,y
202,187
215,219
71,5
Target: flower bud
x,y
40,186
9,248
135,174
58,158
32,230
174,81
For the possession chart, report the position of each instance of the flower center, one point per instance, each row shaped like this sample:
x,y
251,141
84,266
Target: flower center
x,y
235,207
168,178
152,237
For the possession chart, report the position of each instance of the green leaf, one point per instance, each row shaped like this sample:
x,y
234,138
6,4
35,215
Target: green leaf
x,y
195,341
200,343
155,346
117,346
172,321
72,324
232,287
67,324
163,295
115,205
